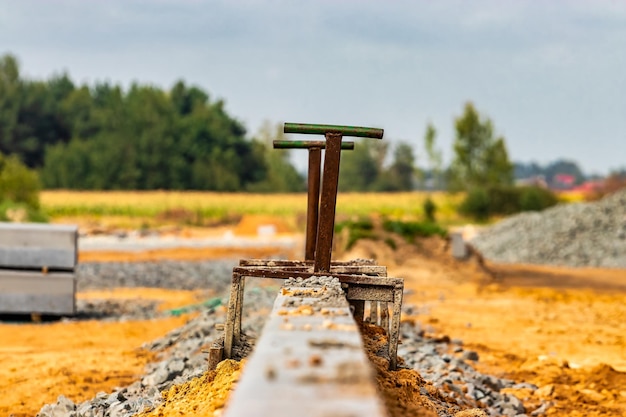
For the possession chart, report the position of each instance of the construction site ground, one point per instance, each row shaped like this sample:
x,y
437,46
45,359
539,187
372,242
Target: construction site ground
x,y
561,329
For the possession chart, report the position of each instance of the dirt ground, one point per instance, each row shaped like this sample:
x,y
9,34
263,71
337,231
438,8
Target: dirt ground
x,y
39,362
561,329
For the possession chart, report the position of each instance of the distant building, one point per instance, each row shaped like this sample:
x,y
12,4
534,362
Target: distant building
x,y
534,181
590,187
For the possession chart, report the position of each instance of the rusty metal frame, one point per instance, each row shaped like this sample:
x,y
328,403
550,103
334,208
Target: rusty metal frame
x,y
313,190
358,286
330,180
361,280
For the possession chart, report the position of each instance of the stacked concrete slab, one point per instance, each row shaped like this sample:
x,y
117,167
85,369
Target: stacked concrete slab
x,y
37,263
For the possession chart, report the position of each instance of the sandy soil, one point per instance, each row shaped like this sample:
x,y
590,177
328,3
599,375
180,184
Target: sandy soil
x,y
39,362
562,329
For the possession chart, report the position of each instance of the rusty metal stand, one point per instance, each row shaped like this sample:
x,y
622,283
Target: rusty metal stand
x,y
362,280
313,194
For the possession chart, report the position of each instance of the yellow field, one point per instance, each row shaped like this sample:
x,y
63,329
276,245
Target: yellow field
x,y
199,208
572,196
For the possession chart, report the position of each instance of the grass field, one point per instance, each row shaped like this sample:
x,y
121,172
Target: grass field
x,y
153,208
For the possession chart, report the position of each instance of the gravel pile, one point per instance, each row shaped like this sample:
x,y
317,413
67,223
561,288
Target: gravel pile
x,y
577,235
209,275
448,366
115,310
182,355
179,275
182,352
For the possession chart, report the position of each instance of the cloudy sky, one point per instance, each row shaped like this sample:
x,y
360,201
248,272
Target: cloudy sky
x,y
551,75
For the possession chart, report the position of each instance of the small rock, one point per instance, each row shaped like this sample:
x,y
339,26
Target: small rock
x,y
117,410
470,355
492,383
474,412
176,368
593,395
478,395
525,385
545,392
157,377
541,410
515,402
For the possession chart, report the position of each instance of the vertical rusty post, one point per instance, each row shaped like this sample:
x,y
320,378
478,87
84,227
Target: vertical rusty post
x,y
374,312
313,199
315,161
231,316
384,316
330,180
328,202
394,330
239,312
359,310
216,352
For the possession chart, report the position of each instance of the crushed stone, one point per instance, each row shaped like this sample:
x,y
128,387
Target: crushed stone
x,y
576,235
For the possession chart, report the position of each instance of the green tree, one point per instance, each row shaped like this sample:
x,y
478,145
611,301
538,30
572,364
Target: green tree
x,y
147,138
400,176
280,174
566,167
31,116
18,183
361,167
434,156
105,137
10,96
481,159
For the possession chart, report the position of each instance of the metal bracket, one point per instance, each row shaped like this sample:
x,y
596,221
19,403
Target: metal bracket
x,y
362,283
313,193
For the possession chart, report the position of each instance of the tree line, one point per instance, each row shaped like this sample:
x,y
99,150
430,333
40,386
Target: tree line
x,y
105,137
102,137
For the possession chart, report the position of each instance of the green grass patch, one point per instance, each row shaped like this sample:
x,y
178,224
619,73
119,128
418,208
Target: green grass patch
x,y
362,228
410,230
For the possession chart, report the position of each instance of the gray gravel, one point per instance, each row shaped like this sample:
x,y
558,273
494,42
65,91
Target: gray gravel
x,y
576,235
448,366
180,275
181,355
181,352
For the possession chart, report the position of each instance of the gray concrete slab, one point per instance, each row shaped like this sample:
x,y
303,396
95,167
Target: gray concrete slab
x,y
35,292
34,246
459,247
308,362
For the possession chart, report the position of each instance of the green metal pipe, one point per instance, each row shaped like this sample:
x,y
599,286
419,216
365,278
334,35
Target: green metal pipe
x,y
307,144
313,129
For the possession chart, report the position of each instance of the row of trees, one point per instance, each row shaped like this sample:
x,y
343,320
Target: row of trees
x,y
480,158
103,137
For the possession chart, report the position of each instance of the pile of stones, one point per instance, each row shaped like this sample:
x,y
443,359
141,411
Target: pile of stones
x,y
446,364
182,354
576,235
213,276
178,275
